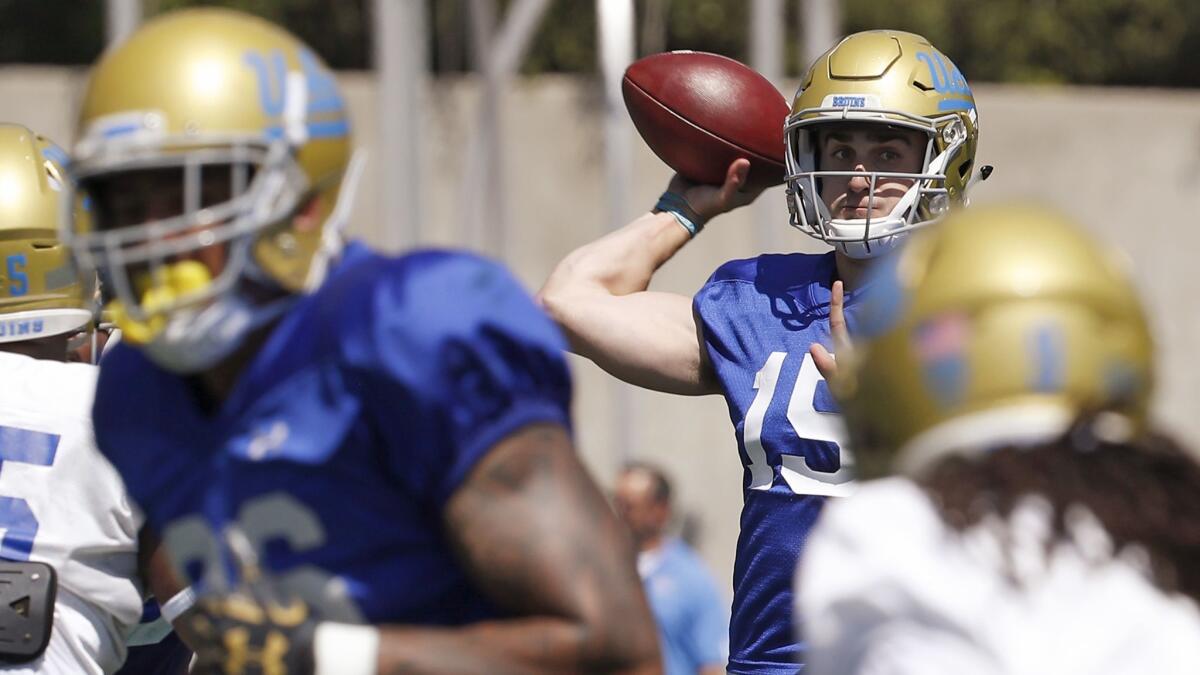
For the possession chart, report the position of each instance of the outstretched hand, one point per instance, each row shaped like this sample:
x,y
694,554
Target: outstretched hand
x,y
837,330
709,201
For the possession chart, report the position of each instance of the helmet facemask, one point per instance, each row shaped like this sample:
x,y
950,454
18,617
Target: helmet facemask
x,y
231,195
926,200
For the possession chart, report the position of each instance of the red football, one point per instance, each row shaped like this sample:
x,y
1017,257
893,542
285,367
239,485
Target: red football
x,y
698,112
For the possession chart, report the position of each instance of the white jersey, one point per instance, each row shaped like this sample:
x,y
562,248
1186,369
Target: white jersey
x,y
887,588
62,503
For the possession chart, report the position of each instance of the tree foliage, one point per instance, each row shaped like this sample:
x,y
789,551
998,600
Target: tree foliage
x,y
51,31
1127,42
1131,42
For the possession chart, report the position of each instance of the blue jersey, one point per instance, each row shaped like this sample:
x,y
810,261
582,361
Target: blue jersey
x,y
758,318
343,439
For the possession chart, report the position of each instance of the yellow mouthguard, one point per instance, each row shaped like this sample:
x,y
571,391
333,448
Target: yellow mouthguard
x,y
162,289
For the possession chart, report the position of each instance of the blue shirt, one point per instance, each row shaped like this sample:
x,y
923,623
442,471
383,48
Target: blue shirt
x,y
692,617
759,317
342,440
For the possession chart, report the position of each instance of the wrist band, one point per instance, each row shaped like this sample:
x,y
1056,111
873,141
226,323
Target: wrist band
x,y
345,649
177,605
677,206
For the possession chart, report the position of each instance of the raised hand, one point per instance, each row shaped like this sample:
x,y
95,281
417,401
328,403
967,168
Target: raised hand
x,y
825,361
709,201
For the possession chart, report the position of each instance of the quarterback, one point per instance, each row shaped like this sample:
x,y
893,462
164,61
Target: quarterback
x,y
69,552
758,332
1019,516
362,463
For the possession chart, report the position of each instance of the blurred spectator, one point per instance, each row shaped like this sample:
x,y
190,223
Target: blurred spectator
x,y
692,616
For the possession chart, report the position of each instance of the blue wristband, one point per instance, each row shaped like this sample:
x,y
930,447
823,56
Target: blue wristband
x,y
677,206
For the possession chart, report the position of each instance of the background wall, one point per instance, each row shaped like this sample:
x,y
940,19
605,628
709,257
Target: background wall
x,y
1125,161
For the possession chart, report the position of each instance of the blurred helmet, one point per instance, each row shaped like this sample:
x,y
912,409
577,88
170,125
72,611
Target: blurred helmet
x,y
894,79
41,291
996,328
204,96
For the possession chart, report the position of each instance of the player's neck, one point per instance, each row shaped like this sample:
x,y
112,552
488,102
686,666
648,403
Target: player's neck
x,y
217,383
53,348
651,544
850,271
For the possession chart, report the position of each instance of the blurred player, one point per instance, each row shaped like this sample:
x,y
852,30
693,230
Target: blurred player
x,y
1025,533
62,506
362,462
881,140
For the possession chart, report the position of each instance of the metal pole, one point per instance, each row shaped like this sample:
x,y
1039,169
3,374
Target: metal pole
x,y
654,26
615,21
517,34
766,56
496,59
820,25
482,179
400,67
121,19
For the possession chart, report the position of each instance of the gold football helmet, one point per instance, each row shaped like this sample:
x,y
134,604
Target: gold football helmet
x,y
996,328
890,78
209,96
41,292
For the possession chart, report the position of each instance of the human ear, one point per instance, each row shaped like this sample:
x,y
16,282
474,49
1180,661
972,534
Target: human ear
x,y
308,218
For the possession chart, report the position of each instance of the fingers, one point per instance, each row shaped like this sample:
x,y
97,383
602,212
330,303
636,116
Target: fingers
x,y
709,201
837,318
735,176
826,364
838,332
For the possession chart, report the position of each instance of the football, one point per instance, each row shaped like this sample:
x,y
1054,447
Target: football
x,y
698,112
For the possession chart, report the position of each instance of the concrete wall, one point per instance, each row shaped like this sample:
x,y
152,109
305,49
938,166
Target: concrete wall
x,y
1127,162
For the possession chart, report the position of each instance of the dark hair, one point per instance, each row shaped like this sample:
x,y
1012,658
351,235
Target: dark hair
x,y
662,486
1145,491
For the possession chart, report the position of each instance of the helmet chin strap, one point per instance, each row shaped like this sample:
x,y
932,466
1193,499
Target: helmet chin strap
x,y
191,338
197,338
873,248
331,232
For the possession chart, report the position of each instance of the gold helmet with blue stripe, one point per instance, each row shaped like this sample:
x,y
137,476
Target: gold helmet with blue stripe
x,y
249,126
42,293
893,79
996,328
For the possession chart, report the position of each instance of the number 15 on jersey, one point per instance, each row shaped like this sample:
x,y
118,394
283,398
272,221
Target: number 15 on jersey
x,y
808,423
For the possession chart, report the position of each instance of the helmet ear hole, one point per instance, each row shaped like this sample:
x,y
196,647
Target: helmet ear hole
x,y
964,169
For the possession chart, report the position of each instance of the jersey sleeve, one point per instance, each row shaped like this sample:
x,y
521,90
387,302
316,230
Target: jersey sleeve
x,y
712,305
466,358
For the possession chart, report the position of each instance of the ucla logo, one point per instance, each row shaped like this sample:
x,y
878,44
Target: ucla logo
x,y
21,327
849,101
948,82
324,111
